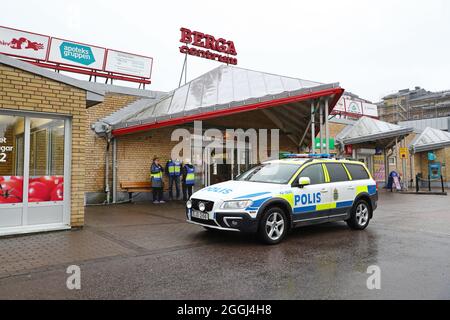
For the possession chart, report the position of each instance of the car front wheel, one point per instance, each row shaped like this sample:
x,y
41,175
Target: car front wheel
x,y
273,226
360,216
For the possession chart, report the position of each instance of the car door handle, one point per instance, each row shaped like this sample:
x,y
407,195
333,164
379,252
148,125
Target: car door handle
x,y
324,190
351,188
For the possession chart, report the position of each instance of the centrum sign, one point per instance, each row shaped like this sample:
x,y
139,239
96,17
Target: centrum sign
x,y
77,53
198,39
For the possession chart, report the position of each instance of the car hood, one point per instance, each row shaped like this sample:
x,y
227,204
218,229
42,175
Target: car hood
x,y
231,190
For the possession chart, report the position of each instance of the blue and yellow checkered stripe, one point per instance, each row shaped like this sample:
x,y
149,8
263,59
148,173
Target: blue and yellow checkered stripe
x,y
325,206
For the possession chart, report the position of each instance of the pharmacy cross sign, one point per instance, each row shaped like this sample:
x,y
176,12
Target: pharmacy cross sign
x,y
224,48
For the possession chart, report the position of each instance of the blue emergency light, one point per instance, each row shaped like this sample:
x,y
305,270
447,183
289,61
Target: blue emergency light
x,y
307,156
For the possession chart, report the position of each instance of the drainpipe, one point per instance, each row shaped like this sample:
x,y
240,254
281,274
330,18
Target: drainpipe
x,y
313,128
327,127
104,130
114,168
107,190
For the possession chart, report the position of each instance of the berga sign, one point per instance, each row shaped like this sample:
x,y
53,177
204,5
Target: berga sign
x,y
208,42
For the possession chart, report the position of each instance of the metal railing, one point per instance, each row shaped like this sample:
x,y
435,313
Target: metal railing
x,y
428,181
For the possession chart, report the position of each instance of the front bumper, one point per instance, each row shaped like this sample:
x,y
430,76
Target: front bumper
x,y
235,221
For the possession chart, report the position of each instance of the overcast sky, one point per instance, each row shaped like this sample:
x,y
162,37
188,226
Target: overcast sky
x,y
371,48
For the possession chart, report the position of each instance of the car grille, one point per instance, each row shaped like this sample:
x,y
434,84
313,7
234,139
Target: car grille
x,y
208,204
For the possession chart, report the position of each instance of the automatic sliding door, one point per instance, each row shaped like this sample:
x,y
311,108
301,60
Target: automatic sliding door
x,y
46,171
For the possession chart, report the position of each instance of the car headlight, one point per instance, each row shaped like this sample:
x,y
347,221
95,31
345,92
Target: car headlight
x,y
236,204
189,204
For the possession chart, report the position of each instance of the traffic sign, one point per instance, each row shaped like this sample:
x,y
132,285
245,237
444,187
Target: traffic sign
x,y
403,153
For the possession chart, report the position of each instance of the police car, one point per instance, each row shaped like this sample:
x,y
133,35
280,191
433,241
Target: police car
x,y
276,196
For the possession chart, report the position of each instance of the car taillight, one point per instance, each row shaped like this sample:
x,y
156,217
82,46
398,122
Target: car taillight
x,y
376,183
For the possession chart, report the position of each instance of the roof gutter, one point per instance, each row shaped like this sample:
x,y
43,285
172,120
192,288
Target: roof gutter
x,y
337,92
430,147
375,137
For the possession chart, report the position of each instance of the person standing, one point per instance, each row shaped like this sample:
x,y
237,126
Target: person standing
x,y
156,174
188,179
173,170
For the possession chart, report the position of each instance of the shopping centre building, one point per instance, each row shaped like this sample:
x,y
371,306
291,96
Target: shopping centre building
x,y
66,143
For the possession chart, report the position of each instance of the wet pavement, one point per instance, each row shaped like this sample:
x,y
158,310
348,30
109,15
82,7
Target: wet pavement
x,y
143,251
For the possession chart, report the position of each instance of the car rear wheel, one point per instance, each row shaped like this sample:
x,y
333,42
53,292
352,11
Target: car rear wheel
x,y
360,216
273,226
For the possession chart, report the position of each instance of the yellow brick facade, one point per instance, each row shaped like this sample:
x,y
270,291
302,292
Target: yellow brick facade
x,y
135,152
95,145
24,91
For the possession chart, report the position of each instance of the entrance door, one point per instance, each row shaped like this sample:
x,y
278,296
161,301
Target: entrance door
x,y
225,165
34,167
12,148
241,161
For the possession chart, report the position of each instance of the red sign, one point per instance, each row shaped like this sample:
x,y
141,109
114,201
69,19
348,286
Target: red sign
x,y
76,57
208,42
23,44
349,149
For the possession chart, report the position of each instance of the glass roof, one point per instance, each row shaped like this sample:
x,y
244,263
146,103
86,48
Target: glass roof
x,y
223,87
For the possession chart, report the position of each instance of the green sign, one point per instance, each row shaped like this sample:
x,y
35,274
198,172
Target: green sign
x,y
324,141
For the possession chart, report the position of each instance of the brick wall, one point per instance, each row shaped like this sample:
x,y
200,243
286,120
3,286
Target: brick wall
x,y
96,146
135,152
20,90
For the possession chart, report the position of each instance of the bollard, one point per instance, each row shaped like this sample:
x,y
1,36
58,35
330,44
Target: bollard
x,y
442,183
429,183
417,183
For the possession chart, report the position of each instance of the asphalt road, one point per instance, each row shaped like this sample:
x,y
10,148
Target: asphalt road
x,y
161,257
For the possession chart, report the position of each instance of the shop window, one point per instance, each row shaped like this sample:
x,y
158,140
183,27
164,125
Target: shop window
x,y
11,159
392,161
46,160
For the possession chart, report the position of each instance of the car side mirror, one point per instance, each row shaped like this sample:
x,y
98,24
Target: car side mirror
x,y
304,181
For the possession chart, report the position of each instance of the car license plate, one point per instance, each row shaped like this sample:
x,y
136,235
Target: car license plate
x,y
200,215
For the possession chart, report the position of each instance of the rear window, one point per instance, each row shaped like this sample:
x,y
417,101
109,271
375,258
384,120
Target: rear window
x,y
337,172
357,172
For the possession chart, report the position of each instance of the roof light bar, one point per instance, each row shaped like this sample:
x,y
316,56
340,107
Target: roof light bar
x,y
308,156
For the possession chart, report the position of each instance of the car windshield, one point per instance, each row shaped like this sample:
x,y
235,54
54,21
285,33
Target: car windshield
x,y
279,173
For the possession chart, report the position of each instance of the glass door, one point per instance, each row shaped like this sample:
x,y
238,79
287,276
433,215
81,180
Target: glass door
x,y
46,171
11,170
241,161
34,167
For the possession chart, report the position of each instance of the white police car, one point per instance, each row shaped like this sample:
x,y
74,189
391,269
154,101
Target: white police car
x,y
276,196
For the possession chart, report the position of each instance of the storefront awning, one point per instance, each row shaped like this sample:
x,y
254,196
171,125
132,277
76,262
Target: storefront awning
x,y
369,130
430,139
224,91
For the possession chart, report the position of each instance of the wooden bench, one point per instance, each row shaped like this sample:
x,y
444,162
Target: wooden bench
x,y
132,187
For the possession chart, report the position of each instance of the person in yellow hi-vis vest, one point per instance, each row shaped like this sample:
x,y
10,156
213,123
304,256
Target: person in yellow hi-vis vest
x,y
188,179
173,171
156,175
